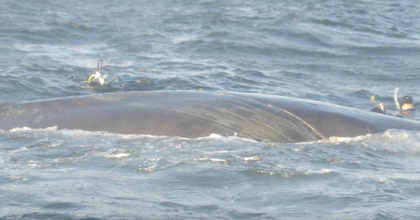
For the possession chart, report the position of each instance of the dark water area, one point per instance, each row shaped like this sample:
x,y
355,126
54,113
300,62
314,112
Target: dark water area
x,y
339,52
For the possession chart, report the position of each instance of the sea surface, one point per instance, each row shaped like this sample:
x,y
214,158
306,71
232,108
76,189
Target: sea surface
x,y
334,51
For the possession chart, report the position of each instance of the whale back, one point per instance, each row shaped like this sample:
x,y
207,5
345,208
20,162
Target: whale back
x,y
197,114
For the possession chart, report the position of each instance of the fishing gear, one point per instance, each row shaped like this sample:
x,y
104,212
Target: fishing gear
x,y
405,106
378,107
103,79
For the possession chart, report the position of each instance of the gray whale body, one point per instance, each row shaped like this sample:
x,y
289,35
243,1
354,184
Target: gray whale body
x,y
194,114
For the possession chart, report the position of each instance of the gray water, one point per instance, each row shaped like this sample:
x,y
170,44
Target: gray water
x,y
339,52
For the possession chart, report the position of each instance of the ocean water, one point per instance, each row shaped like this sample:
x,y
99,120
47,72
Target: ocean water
x,y
337,51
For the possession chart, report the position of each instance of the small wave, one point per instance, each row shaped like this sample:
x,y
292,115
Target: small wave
x,y
291,173
115,154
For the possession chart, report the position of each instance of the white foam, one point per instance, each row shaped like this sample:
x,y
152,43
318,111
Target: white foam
x,y
216,160
339,140
296,149
287,173
84,133
223,137
117,155
392,140
57,144
23,129
253,158
81,133
318,172
212,136
20,129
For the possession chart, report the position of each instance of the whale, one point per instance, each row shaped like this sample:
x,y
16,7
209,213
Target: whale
x,y
194,114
